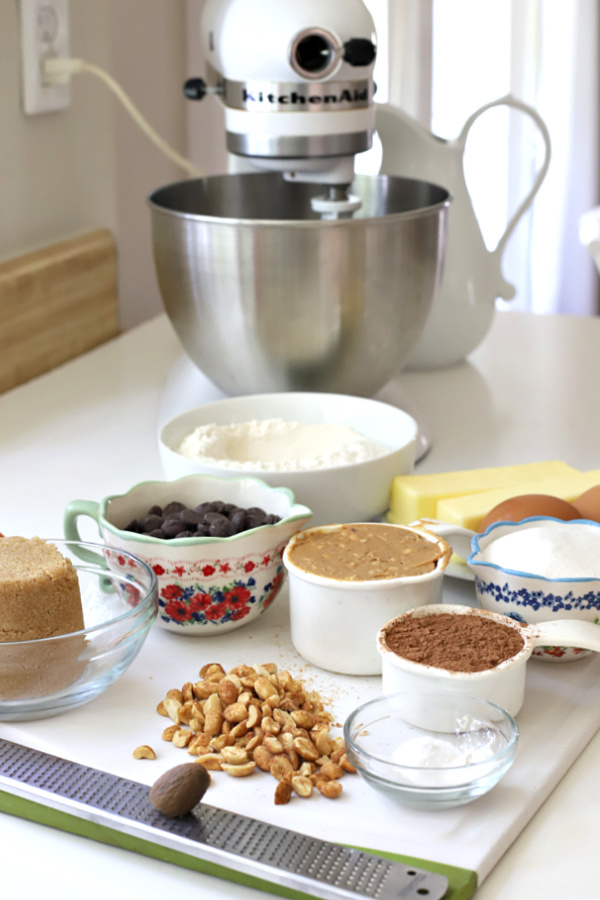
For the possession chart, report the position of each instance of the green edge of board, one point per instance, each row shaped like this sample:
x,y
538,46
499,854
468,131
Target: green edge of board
x,y
462,882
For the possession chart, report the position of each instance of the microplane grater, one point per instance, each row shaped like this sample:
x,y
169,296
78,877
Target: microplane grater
x,y
263,852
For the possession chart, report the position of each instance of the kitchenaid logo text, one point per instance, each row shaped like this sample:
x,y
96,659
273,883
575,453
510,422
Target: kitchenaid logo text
x,y
294,98
299,97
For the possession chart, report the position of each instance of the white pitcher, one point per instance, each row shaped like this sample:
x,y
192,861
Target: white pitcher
x,y
472,280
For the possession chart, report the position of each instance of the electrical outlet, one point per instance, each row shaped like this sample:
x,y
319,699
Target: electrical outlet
x,y
44,33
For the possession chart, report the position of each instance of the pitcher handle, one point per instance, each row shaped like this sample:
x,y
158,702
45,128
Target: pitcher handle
x,y
509,100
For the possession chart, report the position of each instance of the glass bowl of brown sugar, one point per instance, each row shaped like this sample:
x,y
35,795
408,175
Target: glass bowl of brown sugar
x,y
431,750
73,618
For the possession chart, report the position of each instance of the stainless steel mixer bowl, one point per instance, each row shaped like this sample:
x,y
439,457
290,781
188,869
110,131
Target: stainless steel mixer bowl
x,y
265,295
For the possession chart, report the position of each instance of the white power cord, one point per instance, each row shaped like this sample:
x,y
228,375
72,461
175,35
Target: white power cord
x,y
58,70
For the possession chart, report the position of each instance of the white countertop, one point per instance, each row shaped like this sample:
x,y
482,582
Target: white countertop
x,y
88,429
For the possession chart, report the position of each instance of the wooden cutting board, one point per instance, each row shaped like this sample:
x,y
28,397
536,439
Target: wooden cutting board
x,y
55,304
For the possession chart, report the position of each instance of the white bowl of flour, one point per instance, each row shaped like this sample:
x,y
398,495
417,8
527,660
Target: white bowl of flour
x,y
337,453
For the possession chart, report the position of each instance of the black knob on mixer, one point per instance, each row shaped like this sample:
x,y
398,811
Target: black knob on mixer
x,y
195,88
359,51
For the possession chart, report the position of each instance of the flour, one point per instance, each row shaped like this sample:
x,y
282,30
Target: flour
x,y
279,445
549,550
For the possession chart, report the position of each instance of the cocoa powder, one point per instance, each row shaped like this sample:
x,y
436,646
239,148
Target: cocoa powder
x,y
459,643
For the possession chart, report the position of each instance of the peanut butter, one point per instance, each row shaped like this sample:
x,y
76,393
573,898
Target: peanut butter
x,y
366,551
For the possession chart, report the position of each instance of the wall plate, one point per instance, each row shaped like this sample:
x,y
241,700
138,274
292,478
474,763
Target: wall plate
x,y
44,33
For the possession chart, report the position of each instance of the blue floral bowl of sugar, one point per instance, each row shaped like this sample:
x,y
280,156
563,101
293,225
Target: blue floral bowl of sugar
x,y
538,570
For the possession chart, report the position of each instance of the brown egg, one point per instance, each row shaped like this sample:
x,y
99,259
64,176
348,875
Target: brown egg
x,y
526,505
588,504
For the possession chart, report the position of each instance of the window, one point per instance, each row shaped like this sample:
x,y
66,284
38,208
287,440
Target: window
x,y
443,59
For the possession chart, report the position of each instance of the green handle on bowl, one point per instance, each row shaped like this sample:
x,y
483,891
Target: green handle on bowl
x,y
75,509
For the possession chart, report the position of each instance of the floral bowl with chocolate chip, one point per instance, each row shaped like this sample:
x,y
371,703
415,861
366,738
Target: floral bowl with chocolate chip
x,y
214,544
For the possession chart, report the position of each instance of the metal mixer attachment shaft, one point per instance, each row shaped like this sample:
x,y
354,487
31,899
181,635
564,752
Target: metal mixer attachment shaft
x,y
337,203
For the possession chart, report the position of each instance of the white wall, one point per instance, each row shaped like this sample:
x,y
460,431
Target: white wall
x,y
89,166
148,59
54,168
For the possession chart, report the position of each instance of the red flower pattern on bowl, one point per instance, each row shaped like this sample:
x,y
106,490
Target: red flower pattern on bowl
x,y
226,593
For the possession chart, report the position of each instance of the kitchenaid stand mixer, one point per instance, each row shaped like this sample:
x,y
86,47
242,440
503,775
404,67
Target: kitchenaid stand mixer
x,y
298,97
289,272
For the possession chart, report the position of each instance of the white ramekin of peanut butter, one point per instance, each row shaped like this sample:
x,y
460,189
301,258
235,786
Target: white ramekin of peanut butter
x,y
346,581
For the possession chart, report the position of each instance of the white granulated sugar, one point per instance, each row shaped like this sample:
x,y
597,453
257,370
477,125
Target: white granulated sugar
x,y
550,551
279,445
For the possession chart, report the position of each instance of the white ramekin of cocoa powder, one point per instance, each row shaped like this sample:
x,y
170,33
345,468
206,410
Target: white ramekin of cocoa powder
x,y
456,649
471,651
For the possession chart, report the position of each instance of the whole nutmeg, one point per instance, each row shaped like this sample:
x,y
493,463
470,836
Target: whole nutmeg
x,y
178,790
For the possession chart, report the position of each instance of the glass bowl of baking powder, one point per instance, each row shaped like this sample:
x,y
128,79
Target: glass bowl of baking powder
x,y
430,750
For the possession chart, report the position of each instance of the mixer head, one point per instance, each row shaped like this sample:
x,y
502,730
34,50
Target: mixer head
x,y
295,79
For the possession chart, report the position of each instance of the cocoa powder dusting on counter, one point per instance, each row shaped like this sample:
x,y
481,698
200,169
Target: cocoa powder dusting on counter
x,y
459,643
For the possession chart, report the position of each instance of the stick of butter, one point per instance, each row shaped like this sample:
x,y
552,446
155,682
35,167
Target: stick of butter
x,y
469,509
417,496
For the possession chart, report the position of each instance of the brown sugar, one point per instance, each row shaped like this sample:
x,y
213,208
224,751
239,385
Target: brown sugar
x,y
366,551
459,643
39,598
39,591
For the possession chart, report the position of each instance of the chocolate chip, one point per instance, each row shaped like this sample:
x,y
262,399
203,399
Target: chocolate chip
x,y
203,508
171,528
221,527
151,523
190,517
256,511
213,518
238,520
173,508
134,526
254,521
